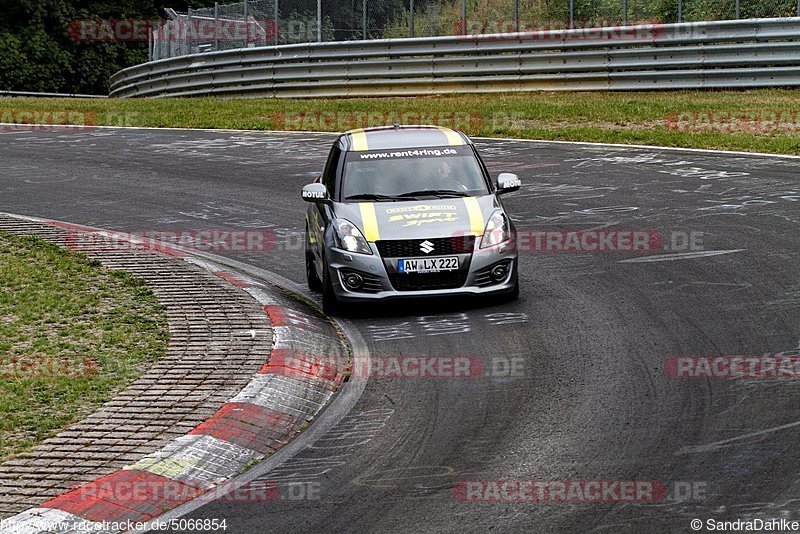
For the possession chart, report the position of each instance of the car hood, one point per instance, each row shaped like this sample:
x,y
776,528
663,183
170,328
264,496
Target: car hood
x,y
419,218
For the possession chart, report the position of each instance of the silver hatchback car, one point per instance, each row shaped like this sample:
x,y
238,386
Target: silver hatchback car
x,y
408,212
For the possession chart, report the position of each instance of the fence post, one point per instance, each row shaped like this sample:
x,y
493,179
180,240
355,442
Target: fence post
x,y
187,42
364,17
680,10
216,26
516,15
319,21
571,14
463,17
411,19
277,26
246,26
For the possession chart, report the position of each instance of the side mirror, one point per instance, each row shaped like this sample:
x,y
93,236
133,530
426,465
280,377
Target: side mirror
x,y
507,183
315,192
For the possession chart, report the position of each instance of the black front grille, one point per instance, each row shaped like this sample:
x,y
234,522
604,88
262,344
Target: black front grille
x,y
426,281
442,246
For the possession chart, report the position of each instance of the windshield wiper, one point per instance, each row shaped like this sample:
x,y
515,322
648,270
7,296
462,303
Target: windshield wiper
x,y
371,196
440,193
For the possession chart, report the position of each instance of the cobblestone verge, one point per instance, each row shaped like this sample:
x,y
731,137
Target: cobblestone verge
x,y
219,337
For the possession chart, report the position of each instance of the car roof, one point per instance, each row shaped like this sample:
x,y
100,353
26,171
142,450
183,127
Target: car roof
x,y
400,137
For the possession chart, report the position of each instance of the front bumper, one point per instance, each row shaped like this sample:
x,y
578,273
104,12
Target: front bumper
x,y
376,273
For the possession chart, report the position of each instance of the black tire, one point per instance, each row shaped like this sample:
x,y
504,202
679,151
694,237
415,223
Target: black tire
x,y
330,304
514,293
314,283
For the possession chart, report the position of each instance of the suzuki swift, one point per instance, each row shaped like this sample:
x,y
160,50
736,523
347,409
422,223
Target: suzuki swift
x,y
408,212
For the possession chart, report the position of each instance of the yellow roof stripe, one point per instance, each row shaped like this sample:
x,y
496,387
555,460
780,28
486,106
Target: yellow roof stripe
x,y
359,140
453,138
475,215
370,221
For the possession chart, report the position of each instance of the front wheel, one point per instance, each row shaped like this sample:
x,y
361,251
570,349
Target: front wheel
x,y
330,304
514,293
314,283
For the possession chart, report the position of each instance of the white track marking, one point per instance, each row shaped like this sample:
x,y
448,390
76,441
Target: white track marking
x,y
721,444
680,256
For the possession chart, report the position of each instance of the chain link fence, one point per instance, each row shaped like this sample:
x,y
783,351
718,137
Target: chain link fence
x,y
254,23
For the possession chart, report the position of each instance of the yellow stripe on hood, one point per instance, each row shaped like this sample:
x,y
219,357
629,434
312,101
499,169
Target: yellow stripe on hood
x,y
370,221
475,215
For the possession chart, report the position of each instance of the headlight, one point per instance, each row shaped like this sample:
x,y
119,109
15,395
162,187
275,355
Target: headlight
x,y
497,230
350,238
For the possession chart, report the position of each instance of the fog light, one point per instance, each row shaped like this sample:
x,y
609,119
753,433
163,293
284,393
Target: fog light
x,y
499,272
353,280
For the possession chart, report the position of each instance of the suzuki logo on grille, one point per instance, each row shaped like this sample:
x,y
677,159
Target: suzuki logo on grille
x,y
426,247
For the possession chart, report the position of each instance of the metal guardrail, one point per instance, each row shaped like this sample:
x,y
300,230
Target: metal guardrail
x,y
726,54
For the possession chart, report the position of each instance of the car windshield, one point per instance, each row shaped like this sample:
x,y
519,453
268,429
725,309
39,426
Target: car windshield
x,y
412,173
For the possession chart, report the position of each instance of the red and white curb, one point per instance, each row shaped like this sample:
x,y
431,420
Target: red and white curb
x,y
305,368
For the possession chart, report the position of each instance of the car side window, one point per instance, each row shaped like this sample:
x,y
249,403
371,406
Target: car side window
x,y
329,174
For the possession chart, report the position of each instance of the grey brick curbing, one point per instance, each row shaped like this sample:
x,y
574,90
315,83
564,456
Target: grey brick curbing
x,y
221,338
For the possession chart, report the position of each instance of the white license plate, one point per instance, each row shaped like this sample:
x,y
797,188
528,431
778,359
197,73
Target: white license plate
x,y
427,265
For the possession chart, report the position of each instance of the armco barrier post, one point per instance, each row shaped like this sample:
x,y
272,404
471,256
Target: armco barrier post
x,y
187,42
571,14
277,24
516,15
411,18
216,26
364,17
463,17
246,27
319,21
680,11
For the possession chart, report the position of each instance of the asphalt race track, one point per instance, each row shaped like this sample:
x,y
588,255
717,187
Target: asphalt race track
x,y
575,385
